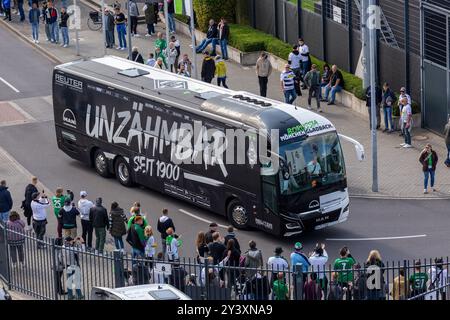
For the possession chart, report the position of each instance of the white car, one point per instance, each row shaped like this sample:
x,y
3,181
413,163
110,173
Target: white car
x,y
141,292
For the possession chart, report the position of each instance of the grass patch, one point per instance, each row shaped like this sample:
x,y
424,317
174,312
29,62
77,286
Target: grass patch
x,y
306,4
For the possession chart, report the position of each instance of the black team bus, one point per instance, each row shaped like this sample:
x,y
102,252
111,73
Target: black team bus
x,y
171,134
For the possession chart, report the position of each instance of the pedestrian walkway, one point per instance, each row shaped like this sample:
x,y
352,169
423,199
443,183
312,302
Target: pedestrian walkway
x,y
399,171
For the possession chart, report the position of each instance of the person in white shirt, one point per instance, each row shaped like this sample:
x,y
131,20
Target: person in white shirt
x,y
294,59
318,260
438,279
305,60
277,263
39,207
406,118
84,205
402,95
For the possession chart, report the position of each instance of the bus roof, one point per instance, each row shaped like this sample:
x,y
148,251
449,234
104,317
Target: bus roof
x,y
238,107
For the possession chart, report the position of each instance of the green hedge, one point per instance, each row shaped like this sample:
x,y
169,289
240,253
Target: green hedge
x,y
214,9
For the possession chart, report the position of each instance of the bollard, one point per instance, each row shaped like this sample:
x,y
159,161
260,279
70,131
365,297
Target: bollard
x,y
298,282
119,279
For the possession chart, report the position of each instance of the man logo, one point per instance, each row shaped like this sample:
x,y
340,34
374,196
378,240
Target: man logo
x,y
69,118
314,204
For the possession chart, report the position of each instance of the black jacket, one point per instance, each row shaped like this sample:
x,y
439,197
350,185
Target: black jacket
x,y
216,250
69,218
208,68
260,287
236,242
137,57
29,190
378,94
165,223
99,217
171,7
64,18
117,221
6,202
133,239
109,22
225,32
213,32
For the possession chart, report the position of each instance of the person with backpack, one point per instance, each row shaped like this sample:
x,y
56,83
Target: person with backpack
x,y
280,289
172,245
26,203
117,222
232,235
135,212
312,80
68,216
253,259
136,238
164,223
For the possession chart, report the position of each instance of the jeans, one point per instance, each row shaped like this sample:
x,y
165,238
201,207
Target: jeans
x,y
223,81
65,35
118,241
86,227
16,250
100,237
47,32
224,48
121,31
20,7
39,229
4,216
314,92
150,28
205,42
35,31
406,133
447,161
54,32
171,22
333,90
388,118
426,175
304,66
163,246
263,86
109,38
323,84
290,96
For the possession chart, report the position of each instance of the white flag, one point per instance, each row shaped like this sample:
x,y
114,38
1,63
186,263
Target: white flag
x,y
187,7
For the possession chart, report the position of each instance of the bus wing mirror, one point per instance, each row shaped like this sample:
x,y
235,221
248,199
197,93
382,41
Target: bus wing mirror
x,y
359,148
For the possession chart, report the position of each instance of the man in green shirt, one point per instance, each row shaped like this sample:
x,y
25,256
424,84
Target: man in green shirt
x,y
58,202
418,281
343,266
280,289
136,212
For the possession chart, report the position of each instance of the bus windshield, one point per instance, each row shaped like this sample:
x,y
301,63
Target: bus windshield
x,y
314,161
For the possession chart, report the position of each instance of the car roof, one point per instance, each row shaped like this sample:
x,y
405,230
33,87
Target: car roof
x,y
146,292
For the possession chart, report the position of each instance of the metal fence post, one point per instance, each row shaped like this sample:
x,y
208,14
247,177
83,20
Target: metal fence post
x,y
206,284
4,237
119,279
407,48
298,283
55,269
285,38
299,18
275,13
324,29
350,35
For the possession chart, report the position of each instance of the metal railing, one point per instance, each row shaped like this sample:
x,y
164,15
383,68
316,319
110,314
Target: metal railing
x,y
45,269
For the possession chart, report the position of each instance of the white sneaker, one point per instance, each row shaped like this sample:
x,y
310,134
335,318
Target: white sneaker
x,y
425,191
407,146
309,108
137,35
118,48
402,144
65,46
37,41
148,35
123,49
28,228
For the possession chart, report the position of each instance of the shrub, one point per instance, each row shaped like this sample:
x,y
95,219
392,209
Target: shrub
x,y
181,17
214,9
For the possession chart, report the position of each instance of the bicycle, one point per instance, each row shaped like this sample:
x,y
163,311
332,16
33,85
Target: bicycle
x,y
95,20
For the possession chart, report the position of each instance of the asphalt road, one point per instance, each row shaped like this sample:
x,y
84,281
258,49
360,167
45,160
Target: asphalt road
x,y
33,145
23,68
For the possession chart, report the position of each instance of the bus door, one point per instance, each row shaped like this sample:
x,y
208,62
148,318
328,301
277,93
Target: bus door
x,y
268,218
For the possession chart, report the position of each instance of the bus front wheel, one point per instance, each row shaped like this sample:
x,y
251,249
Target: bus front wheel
x,y
237,214
123,172
101,163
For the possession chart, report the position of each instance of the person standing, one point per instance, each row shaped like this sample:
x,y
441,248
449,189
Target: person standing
x,y
294,60
170,18
46,21
277,264
73,271
344,266
164,223
58,202
428,158
150,245
16,239
216,248
51,15
375,269
400,289
136,238
7,8
171,53
299,258
418,281
151,61
335,85
287,79
177,45
149,12
213,227
387,102
26,203
187,65
134,14
68,215
201,247
305,59
6,202
406,119
318,260
447,142
117,222
253,259
402,95
84,206
120,21
312,80
33,17
39,207
160,48
208,68
64,17
263,71
100,222
109,29
221,72
280,288
224,34
378,98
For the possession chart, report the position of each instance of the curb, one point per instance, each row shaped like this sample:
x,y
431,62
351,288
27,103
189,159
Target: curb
x,y
386,197
38,48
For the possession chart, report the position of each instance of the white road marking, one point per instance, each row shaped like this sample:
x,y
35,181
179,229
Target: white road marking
x,y
199,218
23,112
9,85
382,238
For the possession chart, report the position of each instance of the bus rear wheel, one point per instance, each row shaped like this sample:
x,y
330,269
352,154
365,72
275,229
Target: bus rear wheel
x,y
101,163
237,214
123,172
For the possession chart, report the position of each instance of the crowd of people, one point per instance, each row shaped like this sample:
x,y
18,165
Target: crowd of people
x,y
229,264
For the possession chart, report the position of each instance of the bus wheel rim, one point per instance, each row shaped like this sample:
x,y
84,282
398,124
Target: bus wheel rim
x,y
123,172
100,163
239,215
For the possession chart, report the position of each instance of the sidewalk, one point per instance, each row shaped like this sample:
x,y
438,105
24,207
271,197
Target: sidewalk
x,y
399,171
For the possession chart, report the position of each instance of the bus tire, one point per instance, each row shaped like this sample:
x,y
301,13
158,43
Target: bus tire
x,y
238,215
101,163
123,172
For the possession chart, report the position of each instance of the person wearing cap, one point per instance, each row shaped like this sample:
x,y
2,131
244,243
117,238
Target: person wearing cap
x,y
287,79
39,205
312,80
299,258
209,234
164,223
447,142
277,263
84,206
100,222
208,67
428,158
58,202
68,216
